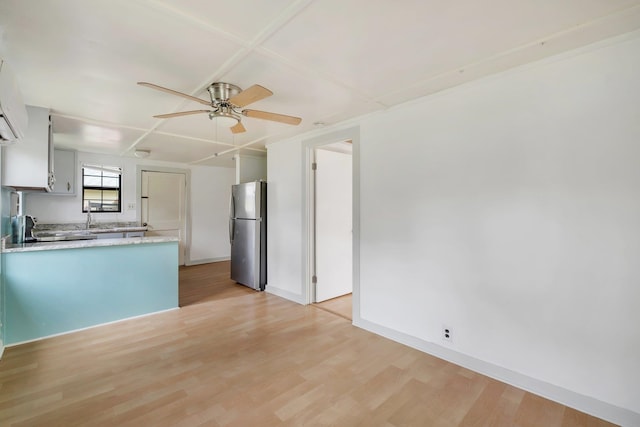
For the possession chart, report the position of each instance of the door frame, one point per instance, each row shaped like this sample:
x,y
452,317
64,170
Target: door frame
x,y
308,147
187,200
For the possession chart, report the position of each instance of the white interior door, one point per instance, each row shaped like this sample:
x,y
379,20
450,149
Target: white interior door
x,y
163,207
333,241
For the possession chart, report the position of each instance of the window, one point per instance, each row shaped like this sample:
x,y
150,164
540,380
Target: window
x,y
101,188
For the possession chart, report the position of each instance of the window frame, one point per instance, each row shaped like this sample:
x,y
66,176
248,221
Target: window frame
x,y
102,188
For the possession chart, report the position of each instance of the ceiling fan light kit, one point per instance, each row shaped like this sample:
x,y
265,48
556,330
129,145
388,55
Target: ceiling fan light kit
x,y
224,119
225,115
226,102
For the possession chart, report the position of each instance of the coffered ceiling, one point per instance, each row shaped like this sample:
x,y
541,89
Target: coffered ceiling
x,y
325,60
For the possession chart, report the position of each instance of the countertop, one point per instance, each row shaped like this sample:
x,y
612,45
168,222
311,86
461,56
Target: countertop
x,y
53,234
93,243
99,227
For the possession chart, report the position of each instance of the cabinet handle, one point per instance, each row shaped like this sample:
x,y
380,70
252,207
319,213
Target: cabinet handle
x,y
68,186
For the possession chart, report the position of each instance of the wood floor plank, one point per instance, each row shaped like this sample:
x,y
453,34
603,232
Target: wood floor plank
x,y
231,357
484,410
573,418
342,306
537,411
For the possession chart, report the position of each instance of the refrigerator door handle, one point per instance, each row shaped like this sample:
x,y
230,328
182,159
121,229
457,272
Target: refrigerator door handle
x,y
232,215
232,207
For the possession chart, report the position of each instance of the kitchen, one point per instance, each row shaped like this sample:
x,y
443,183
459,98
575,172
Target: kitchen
x,y
208,227
55,198
498,116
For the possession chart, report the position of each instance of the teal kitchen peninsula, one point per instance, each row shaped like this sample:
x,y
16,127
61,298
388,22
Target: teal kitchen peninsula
x,y
58,287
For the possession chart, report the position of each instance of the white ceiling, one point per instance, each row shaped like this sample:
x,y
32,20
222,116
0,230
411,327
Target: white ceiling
x,y
325,60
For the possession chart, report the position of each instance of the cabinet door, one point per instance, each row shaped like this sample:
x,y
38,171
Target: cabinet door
x,y
26,163
65,172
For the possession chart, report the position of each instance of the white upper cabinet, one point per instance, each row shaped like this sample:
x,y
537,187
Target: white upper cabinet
x,y
64,169
28,165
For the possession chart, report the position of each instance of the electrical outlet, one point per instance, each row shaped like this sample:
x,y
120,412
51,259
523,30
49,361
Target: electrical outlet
x,y
131,206
447,334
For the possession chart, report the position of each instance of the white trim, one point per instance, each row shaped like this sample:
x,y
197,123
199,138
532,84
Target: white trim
x,y
308,255
308,145
207,261
187,200
355,226
589,405
1,349
91,327
270,289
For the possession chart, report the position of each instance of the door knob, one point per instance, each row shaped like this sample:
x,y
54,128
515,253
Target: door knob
x,y
144,224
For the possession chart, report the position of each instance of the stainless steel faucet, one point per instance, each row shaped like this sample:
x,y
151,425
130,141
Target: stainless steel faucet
x,y
88,220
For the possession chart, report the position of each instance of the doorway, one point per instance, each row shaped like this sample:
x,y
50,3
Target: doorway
x,y
332,240
163,206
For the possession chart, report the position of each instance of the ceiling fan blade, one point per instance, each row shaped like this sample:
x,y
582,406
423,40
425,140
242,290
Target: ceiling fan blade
x,y
175,92
274,117
182,113
238,128
250,95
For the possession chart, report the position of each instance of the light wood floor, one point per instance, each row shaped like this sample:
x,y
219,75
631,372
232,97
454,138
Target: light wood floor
x,y
234,357
342,306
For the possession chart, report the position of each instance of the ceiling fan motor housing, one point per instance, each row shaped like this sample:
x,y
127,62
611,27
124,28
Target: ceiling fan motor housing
x,y
221,91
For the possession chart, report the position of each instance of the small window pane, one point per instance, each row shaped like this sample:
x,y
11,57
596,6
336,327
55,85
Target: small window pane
x,y
91,171
92,181
110,195
92,194
111,182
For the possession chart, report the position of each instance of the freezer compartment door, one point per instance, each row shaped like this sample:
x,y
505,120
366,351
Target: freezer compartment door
x,y
246,200
246,259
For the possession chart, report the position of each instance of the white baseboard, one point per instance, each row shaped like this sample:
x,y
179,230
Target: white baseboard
x,y
207,260
589,405
1,349
91,327
284,294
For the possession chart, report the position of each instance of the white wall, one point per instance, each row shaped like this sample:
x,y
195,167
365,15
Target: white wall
x,y
55,209
210,191
250,168
284,221
508,210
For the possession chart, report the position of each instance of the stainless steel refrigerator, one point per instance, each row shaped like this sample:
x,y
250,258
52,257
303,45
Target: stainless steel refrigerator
x,y
248,234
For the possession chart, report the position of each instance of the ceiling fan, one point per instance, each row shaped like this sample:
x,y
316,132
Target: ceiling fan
x,y
227,102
